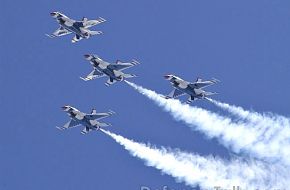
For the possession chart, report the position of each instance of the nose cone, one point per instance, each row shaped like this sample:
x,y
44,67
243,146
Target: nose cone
x,y
167,77
64,108
53,14
87,57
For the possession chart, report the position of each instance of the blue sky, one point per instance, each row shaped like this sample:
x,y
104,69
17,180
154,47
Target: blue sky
x,y
245,44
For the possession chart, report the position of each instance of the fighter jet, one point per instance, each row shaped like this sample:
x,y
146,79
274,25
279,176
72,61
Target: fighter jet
x,y
112,70
89,121
79,28
193,89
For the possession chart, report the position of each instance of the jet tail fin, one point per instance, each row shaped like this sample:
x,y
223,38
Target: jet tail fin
x,y
198,79
104,125
85,130
110,81
190,99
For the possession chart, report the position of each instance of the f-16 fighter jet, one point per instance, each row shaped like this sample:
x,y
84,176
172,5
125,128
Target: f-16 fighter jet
x,y
112,70
194,90
79,28
89,121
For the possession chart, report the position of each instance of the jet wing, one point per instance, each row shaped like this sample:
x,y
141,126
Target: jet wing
x,y
93,75
89,23
59,32
98,116
105,124
70,124
121,66
200,84
175,93
89,33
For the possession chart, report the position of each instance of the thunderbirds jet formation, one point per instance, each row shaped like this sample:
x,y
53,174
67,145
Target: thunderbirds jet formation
x,y
79,28
194,90
89,121
112,70
115,73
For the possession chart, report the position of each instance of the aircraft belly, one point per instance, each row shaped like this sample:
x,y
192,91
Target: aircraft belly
x,y
187,90
68,23
102,66
72,29
109,73
182,85
79,117
93,122
181,89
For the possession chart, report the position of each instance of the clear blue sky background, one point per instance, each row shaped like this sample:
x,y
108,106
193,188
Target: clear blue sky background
x,y
245,44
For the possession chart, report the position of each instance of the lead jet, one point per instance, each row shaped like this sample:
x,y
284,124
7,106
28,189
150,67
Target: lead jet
x,y
89,121
79,28
193,89
112,70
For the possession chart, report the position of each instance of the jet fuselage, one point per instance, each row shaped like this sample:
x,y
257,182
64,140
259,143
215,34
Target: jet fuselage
x,y
107,70
72,26
81,118
69,24
185,87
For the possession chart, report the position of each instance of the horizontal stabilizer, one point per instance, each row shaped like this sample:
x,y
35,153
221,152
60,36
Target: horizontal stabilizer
x,y
129,76
210,93
104,125
95,32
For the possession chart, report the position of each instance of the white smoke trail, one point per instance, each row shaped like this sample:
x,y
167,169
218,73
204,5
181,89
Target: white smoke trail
x,y
206,172
272,125
254,117
240,137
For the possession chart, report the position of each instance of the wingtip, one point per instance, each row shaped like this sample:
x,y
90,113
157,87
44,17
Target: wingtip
x,y
216,80
135,62
112,112
49,35
103,20
83,79
59,128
